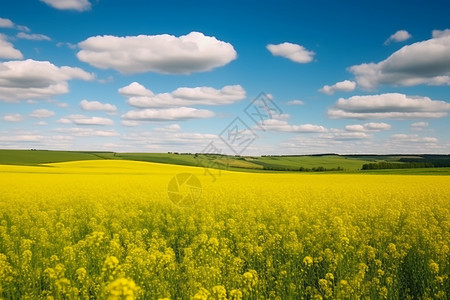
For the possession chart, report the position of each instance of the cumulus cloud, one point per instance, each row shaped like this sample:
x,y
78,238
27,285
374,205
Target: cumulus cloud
x,y
6,23
440,33
368,127
388,106
135,89
7,49
85,120
33,37
78,5
399,36
183,96
294,52
30,79
97,106
426,62
343,86
163,53
296,102
283,126
42,113
169,114
13,118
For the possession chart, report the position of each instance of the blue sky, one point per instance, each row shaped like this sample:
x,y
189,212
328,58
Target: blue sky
x,y
158,76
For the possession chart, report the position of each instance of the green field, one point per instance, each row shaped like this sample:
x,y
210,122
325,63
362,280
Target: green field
x,y
294,163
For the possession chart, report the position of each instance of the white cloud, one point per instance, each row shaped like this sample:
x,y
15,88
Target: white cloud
x,y
391,106
284,126
426,62
6,23
169,114
13,118
399,36
129,123
169,128
97,106
343,136
7,49
85,120
30,79
343,86
41,123
440,33
87,132
294,52
184,96
419,124
42,113
33,37
295,102
377,126
413,138
368,127
78,5
164,53
22,138
135,89
169,141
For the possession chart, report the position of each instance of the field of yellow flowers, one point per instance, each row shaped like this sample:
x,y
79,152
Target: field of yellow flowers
x,y
107,230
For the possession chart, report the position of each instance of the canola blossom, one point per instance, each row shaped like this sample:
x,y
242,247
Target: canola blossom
x,y
107,230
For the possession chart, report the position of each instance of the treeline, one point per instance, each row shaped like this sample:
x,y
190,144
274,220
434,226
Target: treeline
x,y
303,169
390,165
439,162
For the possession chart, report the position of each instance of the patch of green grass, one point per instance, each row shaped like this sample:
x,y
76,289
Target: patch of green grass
x,y
36,157
309,162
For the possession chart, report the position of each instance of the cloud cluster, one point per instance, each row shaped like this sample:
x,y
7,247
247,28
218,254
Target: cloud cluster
x,y
412,138
141,97
163,53
342,86
77,5
284,126
97,106
87,132
368,127
168,114
30,79
388,106
426,62
13,118
399,36
85,120
7,23
293,52
42,113
7,50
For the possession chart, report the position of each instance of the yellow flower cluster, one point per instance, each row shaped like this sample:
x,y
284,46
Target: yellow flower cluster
x,y
107,230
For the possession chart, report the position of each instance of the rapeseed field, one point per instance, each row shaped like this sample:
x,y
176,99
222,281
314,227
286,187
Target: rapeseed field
x,y
108,230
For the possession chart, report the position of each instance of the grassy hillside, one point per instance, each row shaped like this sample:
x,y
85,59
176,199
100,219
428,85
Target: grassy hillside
x,y
36,157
